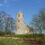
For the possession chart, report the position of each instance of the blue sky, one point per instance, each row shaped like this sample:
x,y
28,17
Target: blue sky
x,y
29,7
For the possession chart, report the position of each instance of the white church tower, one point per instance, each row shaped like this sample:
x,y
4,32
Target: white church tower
x,y
21,28
19,23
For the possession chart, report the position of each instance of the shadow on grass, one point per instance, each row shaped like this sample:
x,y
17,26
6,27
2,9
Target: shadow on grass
x,y
35,42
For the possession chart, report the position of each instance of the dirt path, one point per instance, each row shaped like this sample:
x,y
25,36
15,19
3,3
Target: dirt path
x,y
35,42
29,41
8,38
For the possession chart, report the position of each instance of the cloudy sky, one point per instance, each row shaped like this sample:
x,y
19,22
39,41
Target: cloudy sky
x,y
29,7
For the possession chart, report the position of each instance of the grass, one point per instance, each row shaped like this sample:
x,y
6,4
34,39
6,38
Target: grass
x,y
21,42
16,41
24,35
11,42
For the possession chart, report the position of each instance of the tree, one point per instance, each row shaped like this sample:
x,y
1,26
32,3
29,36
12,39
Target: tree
x,y
7,23
38,21
10,23
1,21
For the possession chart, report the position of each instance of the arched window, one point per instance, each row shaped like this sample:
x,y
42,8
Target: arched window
x,y
18,15
18,20
18,27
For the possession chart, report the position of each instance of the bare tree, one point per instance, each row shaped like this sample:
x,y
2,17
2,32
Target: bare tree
x,y
7,23
38,22
10,23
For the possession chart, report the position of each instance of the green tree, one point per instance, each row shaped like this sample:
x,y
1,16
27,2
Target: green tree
x,y
38,21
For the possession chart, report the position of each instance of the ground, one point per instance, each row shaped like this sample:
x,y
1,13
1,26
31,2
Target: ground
x,y
22,39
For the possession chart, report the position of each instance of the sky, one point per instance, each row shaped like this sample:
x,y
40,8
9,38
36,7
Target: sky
x,y
28,7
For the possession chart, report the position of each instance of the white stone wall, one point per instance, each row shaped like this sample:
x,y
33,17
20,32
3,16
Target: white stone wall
x,y
21,28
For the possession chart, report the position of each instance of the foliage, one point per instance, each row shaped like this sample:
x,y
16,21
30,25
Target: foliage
x,y
24,35
38,21
11,42
7,23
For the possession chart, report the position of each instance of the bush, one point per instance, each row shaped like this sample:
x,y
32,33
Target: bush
x,y
2,33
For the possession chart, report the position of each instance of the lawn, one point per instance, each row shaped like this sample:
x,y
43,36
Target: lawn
x,y
11,42
24,35
25,41
21,42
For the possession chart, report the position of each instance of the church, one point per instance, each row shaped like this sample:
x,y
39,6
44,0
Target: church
x,y
21,27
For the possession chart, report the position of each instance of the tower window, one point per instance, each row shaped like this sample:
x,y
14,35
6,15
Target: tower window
x,y
18,15
18,20
18,27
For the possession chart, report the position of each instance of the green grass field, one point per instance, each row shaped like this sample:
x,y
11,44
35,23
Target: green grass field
x,y
11,42
19,41
24,35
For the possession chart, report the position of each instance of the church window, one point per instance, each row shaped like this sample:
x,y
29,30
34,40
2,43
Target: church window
x,y
18,20
18,27
19,15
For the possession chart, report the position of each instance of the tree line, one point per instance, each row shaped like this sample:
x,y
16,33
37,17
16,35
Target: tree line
x,y
38,22
7,23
